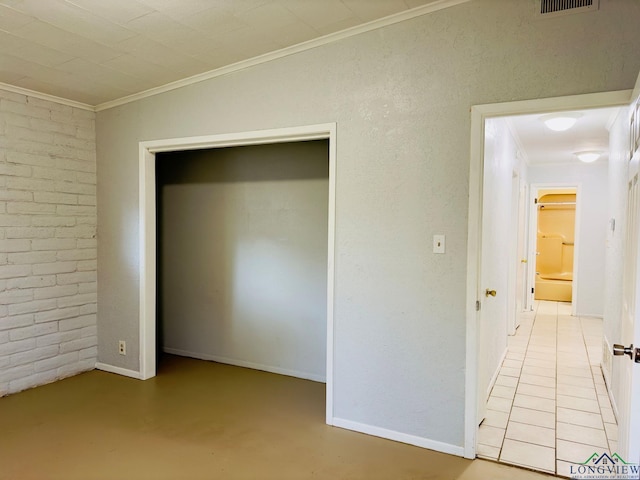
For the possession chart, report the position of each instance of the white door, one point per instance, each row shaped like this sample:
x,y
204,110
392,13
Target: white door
x,y
496,220
629,370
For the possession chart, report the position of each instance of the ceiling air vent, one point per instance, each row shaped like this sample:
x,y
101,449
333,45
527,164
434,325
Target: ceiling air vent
x,y
552,8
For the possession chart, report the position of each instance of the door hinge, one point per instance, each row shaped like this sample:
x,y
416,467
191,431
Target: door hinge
x,y
535,201
637,357
533,290
478,305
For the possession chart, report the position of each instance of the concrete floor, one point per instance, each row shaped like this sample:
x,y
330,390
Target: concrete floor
x,y
203,420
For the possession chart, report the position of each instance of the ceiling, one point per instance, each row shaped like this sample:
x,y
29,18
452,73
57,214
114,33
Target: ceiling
x,y
96,51
544,146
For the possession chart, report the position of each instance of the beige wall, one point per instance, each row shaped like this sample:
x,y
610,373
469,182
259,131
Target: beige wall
x,y
243,248
401,98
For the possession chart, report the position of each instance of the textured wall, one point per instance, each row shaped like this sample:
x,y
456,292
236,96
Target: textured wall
x,y
244,255
47,241
401,97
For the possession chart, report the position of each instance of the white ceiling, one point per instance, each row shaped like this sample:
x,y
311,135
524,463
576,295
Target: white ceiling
x,y
95,51
544,146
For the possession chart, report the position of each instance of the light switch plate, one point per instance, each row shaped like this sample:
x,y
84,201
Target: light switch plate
x,y
438,244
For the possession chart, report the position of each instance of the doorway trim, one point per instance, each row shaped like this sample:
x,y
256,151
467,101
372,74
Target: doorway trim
x,y
147,219
479,113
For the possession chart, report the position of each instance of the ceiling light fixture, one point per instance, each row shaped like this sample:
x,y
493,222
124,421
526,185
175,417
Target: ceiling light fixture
x,y
588,156
559,122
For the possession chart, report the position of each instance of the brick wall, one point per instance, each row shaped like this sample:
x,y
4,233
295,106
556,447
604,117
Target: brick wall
x,y
47,241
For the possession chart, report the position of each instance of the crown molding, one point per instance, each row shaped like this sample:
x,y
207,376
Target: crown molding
x,y
46,96
300,47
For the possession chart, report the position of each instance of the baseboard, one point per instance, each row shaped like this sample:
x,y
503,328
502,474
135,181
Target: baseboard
x,y
118,370
399,437
242,363
494,377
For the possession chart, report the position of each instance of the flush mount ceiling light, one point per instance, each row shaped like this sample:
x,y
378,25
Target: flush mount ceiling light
x,y
588,156
559,122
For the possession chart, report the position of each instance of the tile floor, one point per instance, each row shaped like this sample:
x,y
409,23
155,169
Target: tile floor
x,y
549,407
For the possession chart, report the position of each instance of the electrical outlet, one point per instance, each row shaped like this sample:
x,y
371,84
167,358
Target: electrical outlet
x,y
438,244
122,347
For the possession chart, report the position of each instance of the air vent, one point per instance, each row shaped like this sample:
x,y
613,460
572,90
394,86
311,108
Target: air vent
x,y
552,8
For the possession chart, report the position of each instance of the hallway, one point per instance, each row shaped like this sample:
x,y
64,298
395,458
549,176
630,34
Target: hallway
x,y
549,407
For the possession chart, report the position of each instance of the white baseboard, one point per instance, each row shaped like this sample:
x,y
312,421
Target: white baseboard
x,y
118,370
399,437
242,363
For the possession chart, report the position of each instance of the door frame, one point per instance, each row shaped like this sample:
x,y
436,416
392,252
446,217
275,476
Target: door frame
x,y
479,113
148,228
533,237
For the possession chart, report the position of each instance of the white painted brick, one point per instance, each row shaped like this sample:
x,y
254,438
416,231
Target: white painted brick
x,y
3,256
53,244
37,281
87,115
77,277
15,347
87,200
32,307
69,118
78,232
42,221
23,109
89,178
34,380
87,220
75,165
50,126
55,292
32,331
73,142
30,184
55,362
16,373
75,210
53,174
78,254
77,345
18,195
14,97
55,197
15,170
86,133
57,314
16,321
57,267
58,107
11,246
80,188
31,208
4,336
29,134
16,296
43,160
29,232
87,265
87,243
78,322
88,308
91,331
34,355
91,352
75,368
14,221
57,338
11,271
89,287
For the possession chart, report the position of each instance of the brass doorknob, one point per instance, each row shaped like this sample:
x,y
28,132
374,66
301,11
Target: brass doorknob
x,y
524,260
490,293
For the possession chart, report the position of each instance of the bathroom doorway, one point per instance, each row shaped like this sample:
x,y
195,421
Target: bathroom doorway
x,y
555,239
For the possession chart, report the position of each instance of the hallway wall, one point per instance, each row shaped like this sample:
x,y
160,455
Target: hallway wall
x,y
401,98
